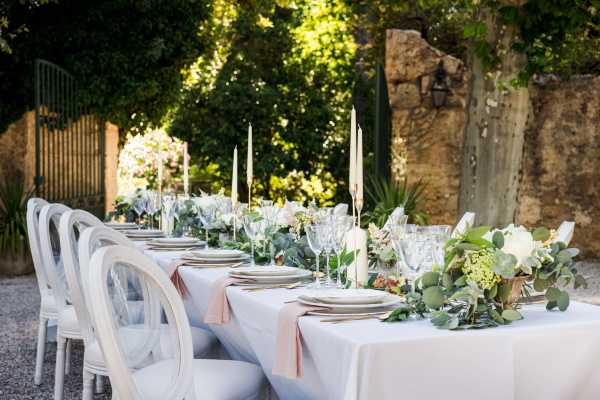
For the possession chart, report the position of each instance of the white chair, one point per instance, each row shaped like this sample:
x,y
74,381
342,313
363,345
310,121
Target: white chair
x,y
467,221
90,240
67,326
565,231
168,376
47,305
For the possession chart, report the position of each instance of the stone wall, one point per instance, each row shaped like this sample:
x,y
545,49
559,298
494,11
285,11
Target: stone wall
x,y
561,160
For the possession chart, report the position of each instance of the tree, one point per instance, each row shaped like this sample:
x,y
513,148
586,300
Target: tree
x,y
126,56
511,40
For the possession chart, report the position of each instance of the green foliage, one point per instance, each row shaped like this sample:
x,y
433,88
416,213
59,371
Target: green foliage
x,y
383,196
126,56
13,215
287,69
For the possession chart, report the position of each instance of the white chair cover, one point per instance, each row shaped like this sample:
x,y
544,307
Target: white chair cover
x,y
467,221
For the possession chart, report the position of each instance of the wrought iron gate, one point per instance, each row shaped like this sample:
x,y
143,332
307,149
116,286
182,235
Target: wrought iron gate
x,y
69,143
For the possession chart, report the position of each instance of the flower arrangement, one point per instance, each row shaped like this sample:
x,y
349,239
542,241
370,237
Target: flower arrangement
x,y
487,273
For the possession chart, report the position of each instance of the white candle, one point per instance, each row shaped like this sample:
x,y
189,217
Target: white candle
x,y
356,239
234,179
352,178
359,166
186,169
249,160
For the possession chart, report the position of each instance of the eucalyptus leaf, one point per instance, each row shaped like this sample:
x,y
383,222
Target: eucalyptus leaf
x,y
498,239
541,284
447,281
433,297
468,246
495,315
505,264
551,305
580,282
429,279
552,294
541,234
461,281
511,315
563,301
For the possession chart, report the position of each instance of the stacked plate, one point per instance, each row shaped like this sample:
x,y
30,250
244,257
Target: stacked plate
x,y
143,234
174,244
270,275
349,302
213,258
121,226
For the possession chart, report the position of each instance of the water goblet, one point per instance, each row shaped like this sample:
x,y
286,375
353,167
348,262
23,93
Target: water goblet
x,y
168,200
252,226
325,232
139,205
152,205
316,245
340,227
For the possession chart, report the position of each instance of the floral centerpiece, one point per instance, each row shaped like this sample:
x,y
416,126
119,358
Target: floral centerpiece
x,y
488,272
383,260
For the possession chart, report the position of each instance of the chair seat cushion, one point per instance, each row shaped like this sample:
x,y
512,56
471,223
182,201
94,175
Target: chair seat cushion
x,y
213,379
203,342
68,325
48,305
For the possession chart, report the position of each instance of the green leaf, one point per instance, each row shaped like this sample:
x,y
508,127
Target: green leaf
x,y
563,301
433,297
447,281
551,305
430,279
461,281
496,316
564,257
541,284
511,315
504,291
552,294
498,239
468,246
580,282
477,233
541,234
493,292
505,264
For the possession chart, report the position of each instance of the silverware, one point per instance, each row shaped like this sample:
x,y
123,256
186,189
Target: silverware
x,y
278,286
337,320
236,265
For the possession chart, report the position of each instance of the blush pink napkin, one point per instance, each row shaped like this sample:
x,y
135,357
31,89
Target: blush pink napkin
x,y
173,272
288,348
218,305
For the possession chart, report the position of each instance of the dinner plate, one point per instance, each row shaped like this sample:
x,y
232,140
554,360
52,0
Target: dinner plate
x,y
346,314
390,300
272,279
144,233
121,225
218,253
175,241
347,296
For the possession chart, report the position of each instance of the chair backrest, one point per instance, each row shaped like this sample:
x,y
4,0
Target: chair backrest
x,y
51,252
34,206
565,231
466,222
72,225
174,370
90,240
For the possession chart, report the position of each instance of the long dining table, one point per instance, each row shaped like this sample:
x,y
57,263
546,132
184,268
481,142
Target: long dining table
x,y
546,356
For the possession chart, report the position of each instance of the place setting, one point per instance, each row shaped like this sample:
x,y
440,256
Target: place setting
x,y
215,258
174,244
143,234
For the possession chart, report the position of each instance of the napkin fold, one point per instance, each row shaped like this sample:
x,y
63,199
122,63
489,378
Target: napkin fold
x,y
288,347
173,272
218,305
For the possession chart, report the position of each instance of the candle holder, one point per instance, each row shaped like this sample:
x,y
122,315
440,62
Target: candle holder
x,y
234,209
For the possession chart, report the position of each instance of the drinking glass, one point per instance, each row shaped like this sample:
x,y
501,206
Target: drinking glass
x,y
167,202
325,232
139,205
270,215
316,245
252,226
152,205
341,226
266,203
207,216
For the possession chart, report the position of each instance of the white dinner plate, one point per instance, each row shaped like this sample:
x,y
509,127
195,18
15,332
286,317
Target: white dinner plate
x,y
390,300
144,233
347,296
218,253
176,240
121,225
346,314
272,279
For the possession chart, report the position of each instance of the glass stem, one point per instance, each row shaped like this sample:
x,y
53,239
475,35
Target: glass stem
x,y
252,251
317,279
339,270
206,237
328,277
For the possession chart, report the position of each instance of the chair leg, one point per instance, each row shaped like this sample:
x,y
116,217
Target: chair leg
x,y
41,350
68,357
99,384
88,385
59,374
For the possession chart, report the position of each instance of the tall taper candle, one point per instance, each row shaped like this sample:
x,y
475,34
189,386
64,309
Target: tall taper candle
x,y
186,170
359,166
234,180
249,166
352,177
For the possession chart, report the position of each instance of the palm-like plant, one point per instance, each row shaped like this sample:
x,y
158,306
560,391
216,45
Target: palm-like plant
x,y
13,211
384,195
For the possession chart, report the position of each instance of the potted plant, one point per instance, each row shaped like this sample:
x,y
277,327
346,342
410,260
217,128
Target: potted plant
x,y
15,258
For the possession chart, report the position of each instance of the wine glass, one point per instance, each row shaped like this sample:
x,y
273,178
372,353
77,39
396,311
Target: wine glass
x,y
207,216
168,200
152,205
252,226
341,226
270,215
325,232
139,205
316,245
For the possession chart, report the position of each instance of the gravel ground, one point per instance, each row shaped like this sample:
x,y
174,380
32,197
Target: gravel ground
x,y
19,302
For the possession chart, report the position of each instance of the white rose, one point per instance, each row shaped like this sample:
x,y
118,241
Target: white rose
x,y
520,244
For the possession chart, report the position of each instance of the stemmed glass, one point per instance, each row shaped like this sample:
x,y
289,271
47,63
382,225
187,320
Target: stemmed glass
x,y
270,214
168,201
326,234
252,226
316,245
341,226
207,216
139,205
152,205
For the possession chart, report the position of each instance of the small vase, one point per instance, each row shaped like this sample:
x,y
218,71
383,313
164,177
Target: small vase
x,y
387,270
515,292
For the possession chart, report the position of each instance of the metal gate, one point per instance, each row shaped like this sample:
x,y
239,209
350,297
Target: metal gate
x,y
69,143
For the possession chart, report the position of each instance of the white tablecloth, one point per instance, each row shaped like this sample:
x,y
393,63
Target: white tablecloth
x,y
546,356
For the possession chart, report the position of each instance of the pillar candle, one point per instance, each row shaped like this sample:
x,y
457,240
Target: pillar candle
x,y
356,238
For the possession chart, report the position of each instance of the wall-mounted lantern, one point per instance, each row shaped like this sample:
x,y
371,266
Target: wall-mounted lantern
x,y
439,87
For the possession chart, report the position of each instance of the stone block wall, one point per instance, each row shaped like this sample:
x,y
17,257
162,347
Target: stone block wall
x,y
561,160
